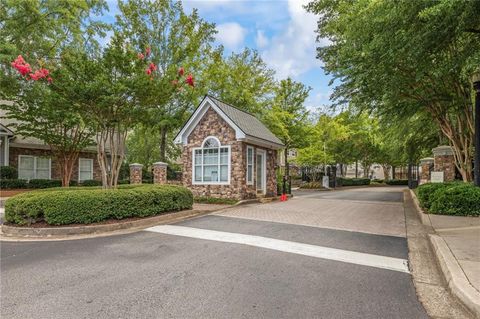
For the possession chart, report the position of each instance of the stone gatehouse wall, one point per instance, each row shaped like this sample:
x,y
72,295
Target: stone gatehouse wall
x,y
14,152
213,125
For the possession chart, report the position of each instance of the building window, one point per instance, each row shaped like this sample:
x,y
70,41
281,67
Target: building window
x,y
211,163
33,167
85,169
249,165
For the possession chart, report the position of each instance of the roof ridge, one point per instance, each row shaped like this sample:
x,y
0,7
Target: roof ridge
x,y
212,97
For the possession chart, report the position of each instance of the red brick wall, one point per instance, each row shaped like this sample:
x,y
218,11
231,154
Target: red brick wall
x,y
56,172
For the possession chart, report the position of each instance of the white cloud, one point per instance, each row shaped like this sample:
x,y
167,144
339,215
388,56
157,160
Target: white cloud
x,y
261,40
231,35
293,51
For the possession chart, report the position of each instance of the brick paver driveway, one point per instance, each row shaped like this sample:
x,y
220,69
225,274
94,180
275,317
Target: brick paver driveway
x,y
376,210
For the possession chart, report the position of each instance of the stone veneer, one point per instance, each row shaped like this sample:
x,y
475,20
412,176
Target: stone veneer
x,y
135,173
425,165
159,173
213,125
14,152
444,161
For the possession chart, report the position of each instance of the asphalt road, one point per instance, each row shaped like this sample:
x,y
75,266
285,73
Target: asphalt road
x,y
156,275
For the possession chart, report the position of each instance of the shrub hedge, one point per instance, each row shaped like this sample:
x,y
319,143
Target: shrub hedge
x,y
214,200
397,182
461,199
44,183
8,172
81,205
12,183
312,185
341,181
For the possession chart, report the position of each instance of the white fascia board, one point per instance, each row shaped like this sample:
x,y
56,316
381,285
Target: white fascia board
x,y
182,136
262,142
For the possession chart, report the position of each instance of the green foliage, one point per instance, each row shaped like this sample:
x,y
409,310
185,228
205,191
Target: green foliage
x,y
214,200
352,181
8,172
44,183
419,63
397,182
458,199
91,182
312,185
425,192
12,183
90,205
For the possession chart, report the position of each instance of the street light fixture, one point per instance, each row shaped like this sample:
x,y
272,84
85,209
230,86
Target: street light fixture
x,y
476,86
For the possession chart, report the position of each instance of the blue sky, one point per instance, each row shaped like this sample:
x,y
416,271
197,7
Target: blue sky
x,y
281,30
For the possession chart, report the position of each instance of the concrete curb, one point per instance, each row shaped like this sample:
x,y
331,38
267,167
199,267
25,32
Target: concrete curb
x,y
424,217
457,282
71,231
454,275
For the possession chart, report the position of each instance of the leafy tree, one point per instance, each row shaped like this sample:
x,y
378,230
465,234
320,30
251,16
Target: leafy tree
x,y
403,58
241,79
176,42
46,34
288,116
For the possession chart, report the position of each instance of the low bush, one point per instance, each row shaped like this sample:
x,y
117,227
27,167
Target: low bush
x,y
425,193
378,181
397,182
8,172
84,205
460,199
214,200
91,182
44,183
352,181
312,185
12,183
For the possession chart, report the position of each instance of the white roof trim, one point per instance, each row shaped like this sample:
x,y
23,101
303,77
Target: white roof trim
x,y
182,136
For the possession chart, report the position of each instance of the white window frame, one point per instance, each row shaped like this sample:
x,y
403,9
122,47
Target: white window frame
x,y
201,166
35,165
91,165
252,165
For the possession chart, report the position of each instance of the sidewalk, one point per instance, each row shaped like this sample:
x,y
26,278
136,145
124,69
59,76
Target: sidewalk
x,y
456,243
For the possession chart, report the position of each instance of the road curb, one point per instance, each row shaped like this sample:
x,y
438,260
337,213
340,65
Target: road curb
x,y
12,232
454,275
424,217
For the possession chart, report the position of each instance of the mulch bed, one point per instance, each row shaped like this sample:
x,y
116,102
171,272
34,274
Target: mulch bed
x,y
13,192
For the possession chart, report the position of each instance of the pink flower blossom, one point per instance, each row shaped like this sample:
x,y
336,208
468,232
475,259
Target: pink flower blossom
x,y
148,51
20,65
181,71
141,56
148,71
152,66
189,80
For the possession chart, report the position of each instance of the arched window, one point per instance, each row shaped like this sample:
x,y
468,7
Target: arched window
x,y
211,163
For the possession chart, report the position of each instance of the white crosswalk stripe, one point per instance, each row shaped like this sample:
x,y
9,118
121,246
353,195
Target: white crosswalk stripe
x,y
353,257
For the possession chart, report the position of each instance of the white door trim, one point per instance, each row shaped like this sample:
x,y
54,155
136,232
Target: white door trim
x,y
263,153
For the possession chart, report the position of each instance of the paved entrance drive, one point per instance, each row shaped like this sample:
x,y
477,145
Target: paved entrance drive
x,y
320,255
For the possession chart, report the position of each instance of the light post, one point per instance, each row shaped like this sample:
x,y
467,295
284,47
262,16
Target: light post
x,y
476,86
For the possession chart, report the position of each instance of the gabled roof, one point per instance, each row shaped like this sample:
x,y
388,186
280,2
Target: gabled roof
x,y
247,127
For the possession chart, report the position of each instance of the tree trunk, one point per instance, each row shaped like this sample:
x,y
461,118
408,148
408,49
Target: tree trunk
x,y
110,159
356,169
163,143
386,171
393,172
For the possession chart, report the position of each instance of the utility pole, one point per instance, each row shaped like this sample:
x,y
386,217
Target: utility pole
x,y
476,86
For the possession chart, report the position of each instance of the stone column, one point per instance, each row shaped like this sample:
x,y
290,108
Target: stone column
x,y
444,161
160,173
425,164
135,173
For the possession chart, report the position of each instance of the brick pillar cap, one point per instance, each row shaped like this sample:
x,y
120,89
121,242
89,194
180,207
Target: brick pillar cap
x,y
427,160
442,150
160,164
134,165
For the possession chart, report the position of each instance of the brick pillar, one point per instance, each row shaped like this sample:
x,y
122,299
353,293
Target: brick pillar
x,y
135,173
159,173
444,161
425,164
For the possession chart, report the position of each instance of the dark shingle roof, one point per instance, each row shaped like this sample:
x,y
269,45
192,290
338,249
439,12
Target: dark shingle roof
x,y
247,122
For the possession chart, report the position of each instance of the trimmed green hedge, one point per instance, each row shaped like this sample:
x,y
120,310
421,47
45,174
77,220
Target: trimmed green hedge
x,y
455,198
44,183
12,183
214,200
8,172
80,205
397,182
352,181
